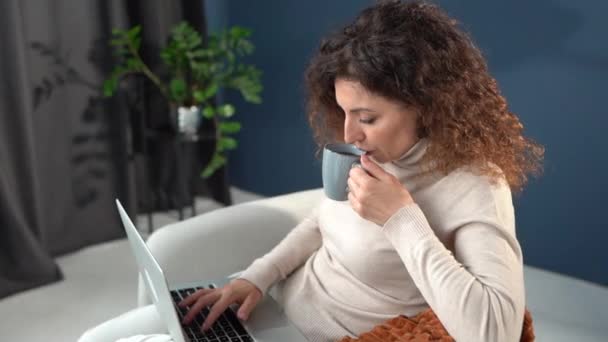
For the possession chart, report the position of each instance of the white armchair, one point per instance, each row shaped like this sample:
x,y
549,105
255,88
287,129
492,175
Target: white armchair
x,y
224,241
227,240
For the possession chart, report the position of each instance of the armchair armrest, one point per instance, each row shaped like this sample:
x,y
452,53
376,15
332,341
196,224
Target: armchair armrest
x,y
221,242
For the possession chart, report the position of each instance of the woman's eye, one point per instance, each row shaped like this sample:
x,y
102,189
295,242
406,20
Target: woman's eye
x,y
367,121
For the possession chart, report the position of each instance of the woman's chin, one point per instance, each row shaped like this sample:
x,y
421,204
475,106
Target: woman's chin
x,y
376,157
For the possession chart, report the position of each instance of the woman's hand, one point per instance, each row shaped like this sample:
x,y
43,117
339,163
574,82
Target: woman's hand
x,y
238,291
376,195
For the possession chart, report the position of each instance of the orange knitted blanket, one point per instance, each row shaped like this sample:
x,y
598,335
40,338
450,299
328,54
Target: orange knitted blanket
x,y
421,328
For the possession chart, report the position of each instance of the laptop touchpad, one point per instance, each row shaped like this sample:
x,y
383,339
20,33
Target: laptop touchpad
x,y
266,315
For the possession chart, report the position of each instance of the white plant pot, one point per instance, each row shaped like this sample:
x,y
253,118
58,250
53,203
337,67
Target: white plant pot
x,y
188,121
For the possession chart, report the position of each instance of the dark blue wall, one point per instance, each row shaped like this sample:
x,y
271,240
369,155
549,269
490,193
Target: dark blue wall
x,y
551,60
276,150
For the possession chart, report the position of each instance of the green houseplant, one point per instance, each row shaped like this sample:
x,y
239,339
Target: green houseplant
x,y
195,73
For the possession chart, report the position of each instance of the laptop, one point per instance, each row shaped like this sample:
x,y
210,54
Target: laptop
x,y
266,323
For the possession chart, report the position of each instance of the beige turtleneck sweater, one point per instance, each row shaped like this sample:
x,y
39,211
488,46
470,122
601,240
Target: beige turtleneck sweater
x,y
454,250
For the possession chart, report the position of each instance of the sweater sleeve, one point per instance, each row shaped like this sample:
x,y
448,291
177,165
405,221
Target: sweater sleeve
x,y
478,291
301,242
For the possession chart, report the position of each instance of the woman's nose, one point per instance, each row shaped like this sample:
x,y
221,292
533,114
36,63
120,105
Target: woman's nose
x,y
352,132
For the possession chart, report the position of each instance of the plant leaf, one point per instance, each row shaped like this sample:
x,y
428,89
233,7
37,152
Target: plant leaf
x,y
229,127
109,86
210,92
208,112
226,110
134,32
134,64
239,32
227,143
217,161
198,96
177,89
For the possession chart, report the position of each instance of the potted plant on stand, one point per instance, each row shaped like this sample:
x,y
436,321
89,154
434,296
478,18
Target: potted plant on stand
x,y
194,73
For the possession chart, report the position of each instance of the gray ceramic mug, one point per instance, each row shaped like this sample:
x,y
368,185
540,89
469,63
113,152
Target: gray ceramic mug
x,y
338,159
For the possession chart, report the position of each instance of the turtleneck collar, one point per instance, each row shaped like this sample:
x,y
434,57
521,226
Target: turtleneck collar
x,y
413,155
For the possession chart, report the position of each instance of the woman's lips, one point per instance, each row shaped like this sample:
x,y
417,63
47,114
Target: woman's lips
x,y
365,151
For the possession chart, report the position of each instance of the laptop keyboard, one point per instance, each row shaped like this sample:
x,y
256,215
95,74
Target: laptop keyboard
x,y
227,328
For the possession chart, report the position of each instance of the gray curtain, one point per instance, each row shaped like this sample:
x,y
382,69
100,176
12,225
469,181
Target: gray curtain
x,y
65,151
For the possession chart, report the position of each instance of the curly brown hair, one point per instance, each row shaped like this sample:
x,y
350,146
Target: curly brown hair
x,y
413,52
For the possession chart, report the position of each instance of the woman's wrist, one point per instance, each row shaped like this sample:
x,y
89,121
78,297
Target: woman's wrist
x,y
408,220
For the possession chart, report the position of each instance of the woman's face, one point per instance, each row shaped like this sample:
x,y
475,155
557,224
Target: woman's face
x,y
383,127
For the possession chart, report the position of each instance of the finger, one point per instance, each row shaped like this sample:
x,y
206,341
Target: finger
x,y
352,185
354,203
201,303
250,302
357,173
193,297
374,169
218,308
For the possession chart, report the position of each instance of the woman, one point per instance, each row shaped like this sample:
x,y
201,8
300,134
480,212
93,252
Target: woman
x,y
430,221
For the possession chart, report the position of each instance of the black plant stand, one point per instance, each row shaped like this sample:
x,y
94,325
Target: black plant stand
x,y
184,176
174,180
170,162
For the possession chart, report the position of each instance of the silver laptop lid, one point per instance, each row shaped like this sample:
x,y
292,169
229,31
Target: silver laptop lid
x,y
153,276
